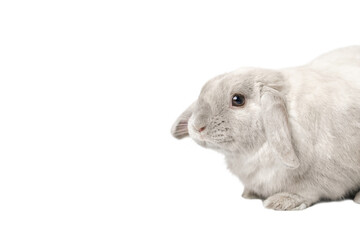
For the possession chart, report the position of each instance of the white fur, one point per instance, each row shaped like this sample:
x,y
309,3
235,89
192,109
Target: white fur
x,y
296,140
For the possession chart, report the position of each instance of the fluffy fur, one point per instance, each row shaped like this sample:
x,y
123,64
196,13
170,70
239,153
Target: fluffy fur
x,y
296,140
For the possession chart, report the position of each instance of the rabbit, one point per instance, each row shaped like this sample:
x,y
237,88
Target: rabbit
x,y
291,135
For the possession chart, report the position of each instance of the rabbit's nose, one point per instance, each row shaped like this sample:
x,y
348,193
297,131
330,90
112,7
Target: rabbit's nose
x,y
200,129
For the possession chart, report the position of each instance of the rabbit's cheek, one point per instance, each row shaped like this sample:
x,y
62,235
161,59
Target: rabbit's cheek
x,y
219,132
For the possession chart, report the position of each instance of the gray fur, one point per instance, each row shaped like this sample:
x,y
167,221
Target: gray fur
x,y
296,140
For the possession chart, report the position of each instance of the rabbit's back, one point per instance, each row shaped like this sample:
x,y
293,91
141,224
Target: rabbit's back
x,y
324,113
347,56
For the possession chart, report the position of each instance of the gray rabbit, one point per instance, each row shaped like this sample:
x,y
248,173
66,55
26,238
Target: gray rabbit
x,y
292,136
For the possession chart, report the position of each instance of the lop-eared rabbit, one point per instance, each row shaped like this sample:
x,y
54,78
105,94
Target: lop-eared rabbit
x,y
292,136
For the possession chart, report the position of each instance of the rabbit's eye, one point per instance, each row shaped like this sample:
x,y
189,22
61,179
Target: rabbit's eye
x,y
238,100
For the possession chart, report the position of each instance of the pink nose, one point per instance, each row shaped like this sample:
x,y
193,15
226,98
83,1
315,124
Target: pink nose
x,y
201,129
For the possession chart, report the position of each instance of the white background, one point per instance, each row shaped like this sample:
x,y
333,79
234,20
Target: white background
x,y
90,89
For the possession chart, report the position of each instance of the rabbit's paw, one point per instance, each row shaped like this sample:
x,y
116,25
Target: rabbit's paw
x,y
248,194
357,198
285,201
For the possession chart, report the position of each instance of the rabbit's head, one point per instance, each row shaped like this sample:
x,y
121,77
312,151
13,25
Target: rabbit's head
x,y
239,112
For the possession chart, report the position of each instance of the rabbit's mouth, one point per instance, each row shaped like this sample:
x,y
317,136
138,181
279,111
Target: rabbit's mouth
x,y
215,142
210,137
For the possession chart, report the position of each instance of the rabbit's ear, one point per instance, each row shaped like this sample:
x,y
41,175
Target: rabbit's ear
x,y
180,128
276,125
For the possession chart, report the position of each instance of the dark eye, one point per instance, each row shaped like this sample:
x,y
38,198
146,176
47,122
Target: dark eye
x,y
238,100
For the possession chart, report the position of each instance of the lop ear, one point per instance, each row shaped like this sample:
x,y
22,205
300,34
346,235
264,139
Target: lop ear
x,y
275,118
180,128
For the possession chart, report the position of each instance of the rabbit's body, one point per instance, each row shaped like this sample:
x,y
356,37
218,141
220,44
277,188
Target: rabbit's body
x,y
303,141
327,136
